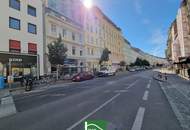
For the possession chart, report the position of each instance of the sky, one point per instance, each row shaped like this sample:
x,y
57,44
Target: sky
x,y
144,23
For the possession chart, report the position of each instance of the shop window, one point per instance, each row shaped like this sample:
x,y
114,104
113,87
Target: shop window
x,y
15,4
14,46
32,48
31,11
14,23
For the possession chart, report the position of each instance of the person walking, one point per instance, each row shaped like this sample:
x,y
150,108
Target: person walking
x,y
165,75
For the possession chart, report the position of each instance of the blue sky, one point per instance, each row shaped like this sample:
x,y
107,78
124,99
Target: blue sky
x,y
144,23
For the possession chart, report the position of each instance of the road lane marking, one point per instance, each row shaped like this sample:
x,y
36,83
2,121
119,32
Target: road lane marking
x,y
131,85
137,125
145,97
93,112
120,91
149,84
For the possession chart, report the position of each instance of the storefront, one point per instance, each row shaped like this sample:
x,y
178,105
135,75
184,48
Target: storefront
x,y
70,67
18,64
183,67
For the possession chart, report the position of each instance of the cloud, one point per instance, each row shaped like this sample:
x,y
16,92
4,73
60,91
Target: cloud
x,y
158,41
138,6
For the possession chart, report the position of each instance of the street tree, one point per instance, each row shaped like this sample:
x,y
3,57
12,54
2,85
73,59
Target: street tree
x,y
105,56
57,53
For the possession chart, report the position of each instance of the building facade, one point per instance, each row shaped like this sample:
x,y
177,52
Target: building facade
x,y
101,33
72,36
21,50
179,40
72,9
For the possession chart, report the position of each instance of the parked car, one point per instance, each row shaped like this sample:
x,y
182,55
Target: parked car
x,y
106,72
82,76
132,70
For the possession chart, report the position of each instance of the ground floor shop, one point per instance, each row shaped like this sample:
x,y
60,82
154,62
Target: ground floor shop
x,y
183,67
18,64
71,66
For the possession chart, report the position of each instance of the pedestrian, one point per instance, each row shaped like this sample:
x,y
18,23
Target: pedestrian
x,y
166,78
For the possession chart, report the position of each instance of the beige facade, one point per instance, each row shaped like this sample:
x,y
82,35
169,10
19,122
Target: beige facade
x,y
72,35
179,39
183,28
101,33
22,35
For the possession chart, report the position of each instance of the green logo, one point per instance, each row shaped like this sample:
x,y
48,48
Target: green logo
x,y
95,125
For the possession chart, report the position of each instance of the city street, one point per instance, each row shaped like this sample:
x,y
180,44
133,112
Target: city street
x,y
127,101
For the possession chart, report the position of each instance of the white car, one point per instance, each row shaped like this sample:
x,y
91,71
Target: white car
x,y
106,72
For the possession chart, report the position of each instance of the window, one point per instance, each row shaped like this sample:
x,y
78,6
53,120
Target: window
x,y
32,28
32,48
80,37
73,36
73,50
92,40
88,51
14,46
92,52
31,11
15,4
64,32
80,52
14,23
53,28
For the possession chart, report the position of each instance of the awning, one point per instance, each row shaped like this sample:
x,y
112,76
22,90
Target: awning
x,y
183,60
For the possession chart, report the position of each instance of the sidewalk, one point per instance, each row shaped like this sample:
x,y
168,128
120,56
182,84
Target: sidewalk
x,y
177,91
7,106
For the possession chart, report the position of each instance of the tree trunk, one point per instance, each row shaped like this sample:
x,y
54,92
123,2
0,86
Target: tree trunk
x,y
57,73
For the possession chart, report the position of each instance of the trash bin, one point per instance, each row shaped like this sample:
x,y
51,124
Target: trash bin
x,y
2,82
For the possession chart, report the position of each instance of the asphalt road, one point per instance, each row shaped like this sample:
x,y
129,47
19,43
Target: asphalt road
x,y
129,101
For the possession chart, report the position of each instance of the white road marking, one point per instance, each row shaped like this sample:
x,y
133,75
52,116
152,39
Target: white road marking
x,y
145,97
93,112
149,84
137,125
120,91
131,85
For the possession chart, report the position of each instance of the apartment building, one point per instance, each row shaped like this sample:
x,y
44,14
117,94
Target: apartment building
x,y
93,45
72,9
21,50
179,40
101,33
72,35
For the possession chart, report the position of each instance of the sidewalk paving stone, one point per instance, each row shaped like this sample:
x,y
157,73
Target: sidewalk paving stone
x,y
177,91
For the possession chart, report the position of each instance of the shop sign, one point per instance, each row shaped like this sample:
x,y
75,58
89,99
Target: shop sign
x,y
15,60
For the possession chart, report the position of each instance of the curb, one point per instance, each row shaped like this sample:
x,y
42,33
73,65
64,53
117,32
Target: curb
x,y
174,108
161,80
7,106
